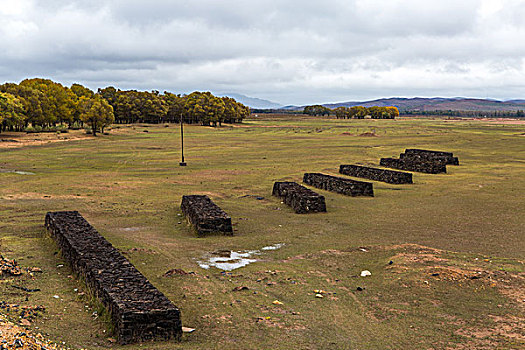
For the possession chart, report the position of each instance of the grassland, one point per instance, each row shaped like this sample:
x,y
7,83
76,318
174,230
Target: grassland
x,y
456,240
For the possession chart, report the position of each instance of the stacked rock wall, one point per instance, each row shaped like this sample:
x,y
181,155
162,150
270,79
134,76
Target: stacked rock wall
x,y
338,184
390,176
414,165
301,199
139,311
430,156
205,215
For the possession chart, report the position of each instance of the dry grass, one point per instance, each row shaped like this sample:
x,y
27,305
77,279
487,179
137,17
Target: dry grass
x,y
129,186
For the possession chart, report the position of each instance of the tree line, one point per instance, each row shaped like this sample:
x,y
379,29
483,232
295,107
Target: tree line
x,y
468,114
43,104
355,112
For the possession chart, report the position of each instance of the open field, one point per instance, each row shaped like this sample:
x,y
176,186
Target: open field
x,y
456,240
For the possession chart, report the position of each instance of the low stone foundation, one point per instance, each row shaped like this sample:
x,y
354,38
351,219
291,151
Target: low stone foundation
x,y
414,165
138,310
301,199
338,184
430,156
389,176
205,215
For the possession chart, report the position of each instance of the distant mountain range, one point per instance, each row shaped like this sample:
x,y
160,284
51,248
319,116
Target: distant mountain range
x,y
252,102
433,104
402,103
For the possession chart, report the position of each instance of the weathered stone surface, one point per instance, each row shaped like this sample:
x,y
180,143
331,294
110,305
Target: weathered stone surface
x,y
205,215
425,155
301,199
338,184
410,164
139,311
390,176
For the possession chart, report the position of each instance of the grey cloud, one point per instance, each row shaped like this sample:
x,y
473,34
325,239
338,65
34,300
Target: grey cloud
x,y
289,51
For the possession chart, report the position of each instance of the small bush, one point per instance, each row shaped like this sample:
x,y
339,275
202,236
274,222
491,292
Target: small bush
x,y
76,126
33,129
62,129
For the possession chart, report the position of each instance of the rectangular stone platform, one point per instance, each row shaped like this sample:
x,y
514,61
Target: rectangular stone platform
x,y
205,215
414,165
138,310
425,155
338,184
389,176
301,199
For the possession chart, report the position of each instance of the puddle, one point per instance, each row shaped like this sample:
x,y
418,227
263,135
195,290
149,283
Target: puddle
x,y
273,247
128,229
19,172
228,260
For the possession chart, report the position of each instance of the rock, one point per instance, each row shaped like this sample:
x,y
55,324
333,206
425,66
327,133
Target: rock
x,y
173,272
365,273
239,288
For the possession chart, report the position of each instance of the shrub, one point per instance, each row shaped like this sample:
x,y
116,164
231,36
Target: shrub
x,y
33,129
76,126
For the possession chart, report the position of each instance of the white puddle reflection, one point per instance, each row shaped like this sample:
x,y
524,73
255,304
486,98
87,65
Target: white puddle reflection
x,y
227,260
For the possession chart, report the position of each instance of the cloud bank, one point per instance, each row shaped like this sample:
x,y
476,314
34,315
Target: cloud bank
x,y
293,52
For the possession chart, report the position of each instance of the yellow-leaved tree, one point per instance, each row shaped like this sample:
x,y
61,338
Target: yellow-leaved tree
x,y
96,112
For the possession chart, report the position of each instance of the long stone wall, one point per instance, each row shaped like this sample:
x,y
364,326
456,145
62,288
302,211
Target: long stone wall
x,y
205,215
414,165
139,311
425,155
389,176
338,184
301,199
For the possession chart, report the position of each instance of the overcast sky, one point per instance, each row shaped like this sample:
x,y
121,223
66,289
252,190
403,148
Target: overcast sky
x,y
291,52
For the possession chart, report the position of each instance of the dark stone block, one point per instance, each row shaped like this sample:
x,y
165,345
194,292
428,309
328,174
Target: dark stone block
x,y
409,164
138,310
430,156
338,184
390,176
205,215
300,198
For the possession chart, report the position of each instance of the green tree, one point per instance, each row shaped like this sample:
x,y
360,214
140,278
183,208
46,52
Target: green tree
x,y
342,112
357,112
203,107
59,106
96,112
11,112
316,110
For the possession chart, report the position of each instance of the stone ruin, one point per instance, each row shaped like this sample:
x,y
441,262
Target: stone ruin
x,y
389,176
430,156
138,310
338,184
301,199
205,215
417,165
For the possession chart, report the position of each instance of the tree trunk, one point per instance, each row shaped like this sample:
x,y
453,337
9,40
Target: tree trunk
x,y
93,128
